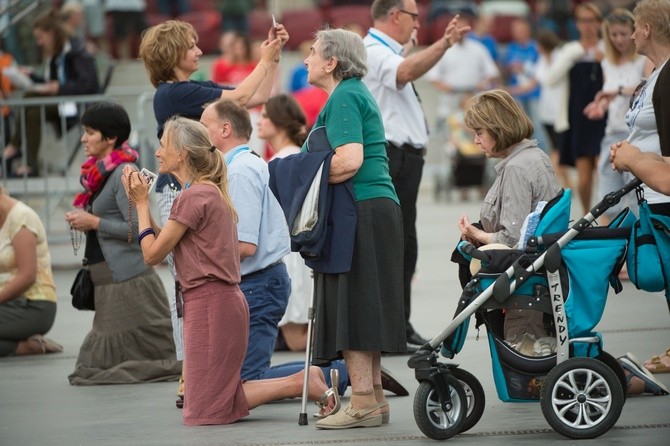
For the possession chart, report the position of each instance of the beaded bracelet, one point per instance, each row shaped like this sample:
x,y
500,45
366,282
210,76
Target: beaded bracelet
x,y
144,233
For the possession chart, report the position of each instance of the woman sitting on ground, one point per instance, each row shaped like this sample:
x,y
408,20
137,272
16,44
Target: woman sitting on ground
x,y
27,291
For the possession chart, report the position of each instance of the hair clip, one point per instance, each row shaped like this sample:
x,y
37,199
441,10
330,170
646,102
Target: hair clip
x,y
212,149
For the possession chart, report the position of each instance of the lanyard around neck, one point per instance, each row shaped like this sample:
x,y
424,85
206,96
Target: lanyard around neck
x,y
238,151
382,41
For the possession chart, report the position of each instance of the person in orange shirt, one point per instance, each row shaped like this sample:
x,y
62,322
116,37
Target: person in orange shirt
x,y
237,60
6,60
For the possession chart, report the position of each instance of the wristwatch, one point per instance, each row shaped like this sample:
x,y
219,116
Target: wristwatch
x,y
620,90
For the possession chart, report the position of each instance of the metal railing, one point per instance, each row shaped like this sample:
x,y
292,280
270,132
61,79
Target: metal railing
x,y
145,128
59,179
14,11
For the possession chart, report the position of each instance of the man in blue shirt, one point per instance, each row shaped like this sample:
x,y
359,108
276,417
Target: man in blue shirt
x,y
519,62
261,229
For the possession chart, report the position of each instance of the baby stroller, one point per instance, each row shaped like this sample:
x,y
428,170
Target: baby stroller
x,y
564,272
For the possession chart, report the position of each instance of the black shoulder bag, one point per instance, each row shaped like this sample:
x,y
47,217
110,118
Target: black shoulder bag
x,y
82,290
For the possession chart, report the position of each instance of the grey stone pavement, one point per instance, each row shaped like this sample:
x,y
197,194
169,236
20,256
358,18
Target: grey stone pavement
x,y
41,408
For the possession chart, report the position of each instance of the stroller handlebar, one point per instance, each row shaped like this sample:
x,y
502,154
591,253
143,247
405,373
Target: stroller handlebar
x,y
469,250
614,197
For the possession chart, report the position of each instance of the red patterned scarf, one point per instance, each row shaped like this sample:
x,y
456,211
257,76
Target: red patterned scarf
x,y
94,171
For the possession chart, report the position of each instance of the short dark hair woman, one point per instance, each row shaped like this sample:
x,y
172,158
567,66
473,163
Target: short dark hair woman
x,y
131,340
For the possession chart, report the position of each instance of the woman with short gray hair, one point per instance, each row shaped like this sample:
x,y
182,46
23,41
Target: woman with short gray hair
x,y
347,48
360,313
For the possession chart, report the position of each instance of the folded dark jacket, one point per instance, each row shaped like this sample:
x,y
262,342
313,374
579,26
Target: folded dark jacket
x,y
328,247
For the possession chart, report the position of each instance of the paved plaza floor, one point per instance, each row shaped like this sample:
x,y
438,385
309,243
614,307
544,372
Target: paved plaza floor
x,y
41,408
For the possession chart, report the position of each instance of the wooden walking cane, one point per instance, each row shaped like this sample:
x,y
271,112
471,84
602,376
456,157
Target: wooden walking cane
x,y
302,419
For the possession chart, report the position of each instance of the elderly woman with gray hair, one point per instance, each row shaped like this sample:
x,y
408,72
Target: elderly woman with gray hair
x,y
359,313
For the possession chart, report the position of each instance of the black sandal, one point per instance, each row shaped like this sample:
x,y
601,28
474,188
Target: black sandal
x,y
632,368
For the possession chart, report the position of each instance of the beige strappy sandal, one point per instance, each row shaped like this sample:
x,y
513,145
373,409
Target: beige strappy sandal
x,y
46,344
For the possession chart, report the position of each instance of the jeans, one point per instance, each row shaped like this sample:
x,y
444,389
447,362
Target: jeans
x,y
267,295
293,367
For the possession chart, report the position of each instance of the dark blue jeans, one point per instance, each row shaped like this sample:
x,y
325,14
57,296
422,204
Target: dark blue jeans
x,y
290,368
267,295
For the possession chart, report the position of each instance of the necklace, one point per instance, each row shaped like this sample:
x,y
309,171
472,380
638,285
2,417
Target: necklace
x,y
130,212
76,238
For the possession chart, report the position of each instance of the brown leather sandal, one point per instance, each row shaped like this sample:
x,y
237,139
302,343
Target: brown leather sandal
x,y
656,363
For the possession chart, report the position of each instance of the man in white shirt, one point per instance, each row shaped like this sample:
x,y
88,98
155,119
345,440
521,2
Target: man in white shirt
x,y
465,69
389,78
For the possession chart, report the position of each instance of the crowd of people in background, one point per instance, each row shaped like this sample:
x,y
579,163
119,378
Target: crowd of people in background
x,y
576,92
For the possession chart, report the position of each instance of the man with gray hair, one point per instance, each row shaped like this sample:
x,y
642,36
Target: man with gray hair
x,y
389,78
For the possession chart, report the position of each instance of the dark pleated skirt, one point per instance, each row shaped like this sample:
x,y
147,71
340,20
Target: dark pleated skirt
x,y
363,309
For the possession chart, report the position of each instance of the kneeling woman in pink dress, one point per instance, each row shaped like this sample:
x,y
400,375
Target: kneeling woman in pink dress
x,y
201,232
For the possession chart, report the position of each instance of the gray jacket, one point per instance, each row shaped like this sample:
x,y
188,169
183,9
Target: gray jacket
x,y
111,205
524,178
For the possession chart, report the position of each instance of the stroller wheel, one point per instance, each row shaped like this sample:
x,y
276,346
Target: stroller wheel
x,y
474,394
431,419
582,398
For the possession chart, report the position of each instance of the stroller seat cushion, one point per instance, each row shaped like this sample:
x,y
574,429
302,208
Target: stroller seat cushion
x,y
476,264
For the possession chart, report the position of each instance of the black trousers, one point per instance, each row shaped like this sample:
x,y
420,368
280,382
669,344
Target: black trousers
x,y
406,168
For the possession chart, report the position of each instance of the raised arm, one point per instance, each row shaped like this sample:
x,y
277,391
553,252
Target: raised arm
x,y
418,64
265,90
255,89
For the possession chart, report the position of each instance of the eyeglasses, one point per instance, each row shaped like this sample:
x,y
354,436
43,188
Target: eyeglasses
x,y
414,15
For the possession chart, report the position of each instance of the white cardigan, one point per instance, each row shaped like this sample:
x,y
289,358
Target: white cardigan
x,y
558,76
